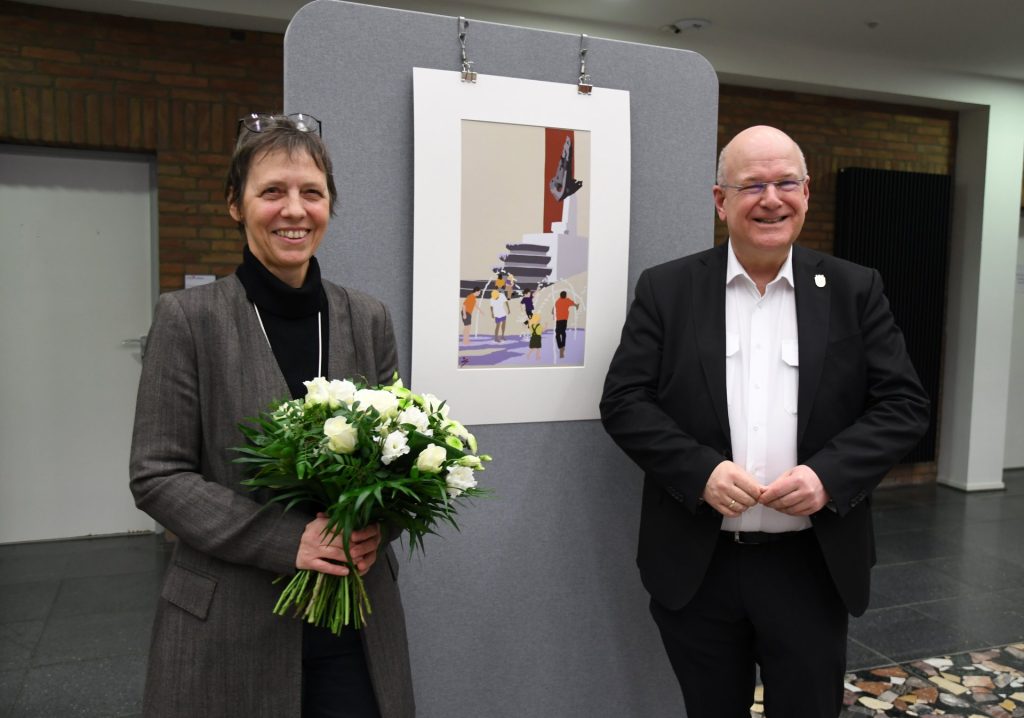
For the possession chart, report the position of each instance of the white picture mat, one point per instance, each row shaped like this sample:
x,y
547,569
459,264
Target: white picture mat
x,y
500,395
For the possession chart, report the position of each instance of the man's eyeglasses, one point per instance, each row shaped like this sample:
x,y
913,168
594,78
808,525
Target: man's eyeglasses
x,y
261,122
758,188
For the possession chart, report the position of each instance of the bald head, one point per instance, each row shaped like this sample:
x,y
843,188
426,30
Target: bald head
x,y
760,138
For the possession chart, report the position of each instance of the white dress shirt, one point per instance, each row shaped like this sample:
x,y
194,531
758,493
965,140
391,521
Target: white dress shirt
x,y
762,366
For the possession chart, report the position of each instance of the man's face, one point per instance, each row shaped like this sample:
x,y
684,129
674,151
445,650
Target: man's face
x,y
764,224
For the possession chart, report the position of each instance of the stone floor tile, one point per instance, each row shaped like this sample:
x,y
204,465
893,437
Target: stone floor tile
x,y
30,601
10,688
108,594
101,687
17,641
92,636
912,582
903,633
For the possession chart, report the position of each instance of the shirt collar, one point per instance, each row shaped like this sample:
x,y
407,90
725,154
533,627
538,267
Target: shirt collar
x,y
735,269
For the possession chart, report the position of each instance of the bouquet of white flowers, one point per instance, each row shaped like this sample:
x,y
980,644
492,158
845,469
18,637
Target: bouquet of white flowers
x,y
362,456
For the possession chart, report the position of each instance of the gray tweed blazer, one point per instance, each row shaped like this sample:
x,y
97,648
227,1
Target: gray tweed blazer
x,y
217,649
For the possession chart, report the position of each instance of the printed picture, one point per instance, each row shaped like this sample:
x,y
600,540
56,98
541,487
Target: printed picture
x,y
520,244
524,246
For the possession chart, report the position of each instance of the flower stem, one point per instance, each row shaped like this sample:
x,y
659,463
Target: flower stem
x,y
332,602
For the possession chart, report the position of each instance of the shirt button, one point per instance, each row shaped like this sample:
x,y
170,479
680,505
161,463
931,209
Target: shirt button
x,y
755,428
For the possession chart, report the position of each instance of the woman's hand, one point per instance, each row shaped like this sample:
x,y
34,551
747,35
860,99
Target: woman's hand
x,y
317,554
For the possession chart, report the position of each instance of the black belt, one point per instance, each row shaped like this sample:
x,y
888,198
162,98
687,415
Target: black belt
x,y
757,538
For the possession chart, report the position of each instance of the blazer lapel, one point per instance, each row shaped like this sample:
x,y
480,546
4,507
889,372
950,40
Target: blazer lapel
x,y
708,307
344,360
813,297
260,374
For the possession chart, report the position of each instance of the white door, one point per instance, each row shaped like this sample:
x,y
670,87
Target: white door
x,y
76,279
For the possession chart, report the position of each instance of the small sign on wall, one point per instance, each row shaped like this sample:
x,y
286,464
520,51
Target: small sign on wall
x,y
195,280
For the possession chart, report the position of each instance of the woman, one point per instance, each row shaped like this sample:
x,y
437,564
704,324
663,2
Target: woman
x,y
536,333
220,353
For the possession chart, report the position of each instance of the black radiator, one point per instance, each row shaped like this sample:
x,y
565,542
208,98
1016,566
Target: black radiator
x,y
899,223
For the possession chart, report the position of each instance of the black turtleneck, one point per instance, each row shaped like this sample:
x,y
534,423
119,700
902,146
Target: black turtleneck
x,y
289,317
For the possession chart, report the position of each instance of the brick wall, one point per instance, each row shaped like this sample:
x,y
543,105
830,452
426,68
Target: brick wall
x,y
172,90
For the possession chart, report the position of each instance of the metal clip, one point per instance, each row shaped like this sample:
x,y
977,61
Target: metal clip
x,y
583,87
468,75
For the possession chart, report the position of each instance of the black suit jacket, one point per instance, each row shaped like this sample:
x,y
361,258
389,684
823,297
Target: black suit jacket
x,y
860,409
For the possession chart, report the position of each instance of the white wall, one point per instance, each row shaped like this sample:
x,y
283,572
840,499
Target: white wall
x,y
1015,414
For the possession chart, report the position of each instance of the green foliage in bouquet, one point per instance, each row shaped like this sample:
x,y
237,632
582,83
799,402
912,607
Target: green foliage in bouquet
x,y
361,456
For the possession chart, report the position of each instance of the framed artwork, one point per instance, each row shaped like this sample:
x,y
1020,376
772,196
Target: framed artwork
x,y
521,244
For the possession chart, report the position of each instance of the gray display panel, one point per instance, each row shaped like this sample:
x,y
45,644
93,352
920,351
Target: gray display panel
x,y
535,608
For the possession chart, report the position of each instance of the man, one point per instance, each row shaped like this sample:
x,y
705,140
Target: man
x,y
765,390
561,311
499,313
468,307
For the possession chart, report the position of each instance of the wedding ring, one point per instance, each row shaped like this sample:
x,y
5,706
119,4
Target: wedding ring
x,y
732,502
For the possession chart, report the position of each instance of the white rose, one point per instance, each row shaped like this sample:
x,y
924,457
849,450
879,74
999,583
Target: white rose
x,y
416,416
317,391
384,402
433,405
395,445
458,479
341,436
430,459
341,392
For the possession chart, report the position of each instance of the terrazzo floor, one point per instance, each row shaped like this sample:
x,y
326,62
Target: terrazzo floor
x,y
978,683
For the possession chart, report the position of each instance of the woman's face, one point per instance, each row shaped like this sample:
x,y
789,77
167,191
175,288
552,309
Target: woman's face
x,y
285,211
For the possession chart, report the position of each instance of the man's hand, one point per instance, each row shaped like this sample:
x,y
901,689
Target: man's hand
x,y
797,492
317,554
730,490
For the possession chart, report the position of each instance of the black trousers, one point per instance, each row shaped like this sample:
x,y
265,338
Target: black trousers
x,y
560,327
335,679
773,605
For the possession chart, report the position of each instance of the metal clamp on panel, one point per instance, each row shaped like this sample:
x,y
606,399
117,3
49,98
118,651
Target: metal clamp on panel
x,y
583,85
468,75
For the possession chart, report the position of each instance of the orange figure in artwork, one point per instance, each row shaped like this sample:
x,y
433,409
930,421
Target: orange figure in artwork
x,y
468,307
561,310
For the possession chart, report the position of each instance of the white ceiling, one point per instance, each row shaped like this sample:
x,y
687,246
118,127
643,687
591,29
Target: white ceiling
x,y
981,37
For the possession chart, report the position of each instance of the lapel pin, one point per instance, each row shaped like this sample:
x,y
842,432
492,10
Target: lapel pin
x,y
819,280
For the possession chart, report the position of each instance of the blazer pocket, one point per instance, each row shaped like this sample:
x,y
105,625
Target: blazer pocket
x,y
190,591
